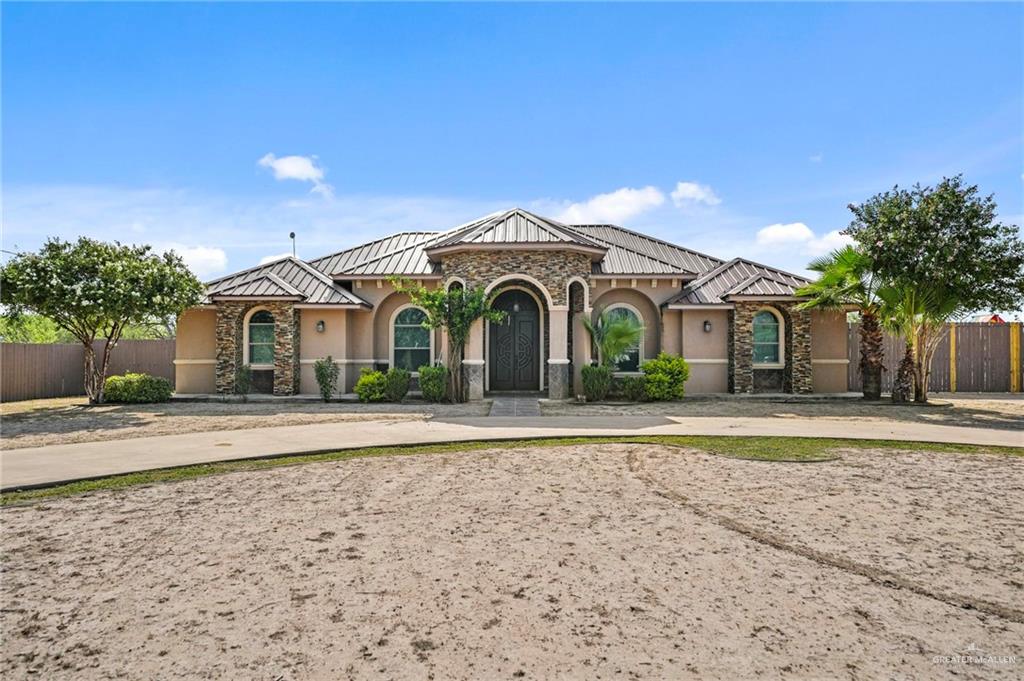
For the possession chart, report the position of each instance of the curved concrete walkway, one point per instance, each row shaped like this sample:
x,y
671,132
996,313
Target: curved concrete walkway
x,y
41,466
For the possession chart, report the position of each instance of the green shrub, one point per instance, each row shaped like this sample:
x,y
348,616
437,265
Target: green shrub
x,y
433,383
665,376
371,386
634,388
597,381
137,388
396,384
243,380
326,372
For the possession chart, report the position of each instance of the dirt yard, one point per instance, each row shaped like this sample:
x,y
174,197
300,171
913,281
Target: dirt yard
x,y
977,411
598,561
67,420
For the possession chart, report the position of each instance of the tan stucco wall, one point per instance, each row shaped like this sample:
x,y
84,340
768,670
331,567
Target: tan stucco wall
x,y
708,378
706,352
314,345
828,342
196,341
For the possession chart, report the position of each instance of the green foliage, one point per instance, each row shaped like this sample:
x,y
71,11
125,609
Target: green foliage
x,y
612,337
845,277
96,290
433,383
943,239
326,372
634,388
243,380
453,310
138,388
32,328
396,384
371,386
666,376
597,382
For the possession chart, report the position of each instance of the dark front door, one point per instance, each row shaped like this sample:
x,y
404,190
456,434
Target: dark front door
x,y
515,355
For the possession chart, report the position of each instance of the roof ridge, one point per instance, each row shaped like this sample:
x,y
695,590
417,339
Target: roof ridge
x,y
370,243
650,238
283,284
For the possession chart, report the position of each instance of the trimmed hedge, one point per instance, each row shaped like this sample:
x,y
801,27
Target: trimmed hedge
x,y
634,388
137,388
371,386
665,376
597,382
434,383
396,384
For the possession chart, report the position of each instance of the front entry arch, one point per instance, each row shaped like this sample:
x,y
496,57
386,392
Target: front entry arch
x,y
515,347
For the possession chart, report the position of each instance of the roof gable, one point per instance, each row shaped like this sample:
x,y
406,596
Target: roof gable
x,y
515,226
738,277
285,278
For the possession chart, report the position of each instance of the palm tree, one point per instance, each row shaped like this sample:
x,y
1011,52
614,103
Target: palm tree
x,y
612,337
846,279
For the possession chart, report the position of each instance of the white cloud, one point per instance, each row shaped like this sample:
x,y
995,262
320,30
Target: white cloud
x,y
271,258
797,235
617,206
693,193
204,261
301,168
816,158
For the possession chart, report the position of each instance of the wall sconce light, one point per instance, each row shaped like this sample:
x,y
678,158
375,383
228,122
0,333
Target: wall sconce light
x,y
320,326
707,326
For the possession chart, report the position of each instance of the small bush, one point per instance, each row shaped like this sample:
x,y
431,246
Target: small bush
x,y
634,388
243,380
326,372
396,384
433,383
137,388
371,386
597,381
665,376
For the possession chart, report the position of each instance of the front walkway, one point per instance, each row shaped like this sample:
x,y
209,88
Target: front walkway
x,y
40,466
515,404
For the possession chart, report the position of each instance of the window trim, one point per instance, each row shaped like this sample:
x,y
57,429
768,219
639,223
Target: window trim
x,y
245,337
391,334
643,336
781,364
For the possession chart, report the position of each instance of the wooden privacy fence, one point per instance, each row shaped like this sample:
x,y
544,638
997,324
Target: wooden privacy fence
x,y
975,357
33,371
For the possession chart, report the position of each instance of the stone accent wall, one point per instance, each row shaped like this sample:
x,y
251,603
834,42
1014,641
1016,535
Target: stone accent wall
x,y
553,269
796,376
286,344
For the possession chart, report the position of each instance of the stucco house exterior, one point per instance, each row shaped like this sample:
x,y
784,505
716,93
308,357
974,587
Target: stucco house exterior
x,y
735,321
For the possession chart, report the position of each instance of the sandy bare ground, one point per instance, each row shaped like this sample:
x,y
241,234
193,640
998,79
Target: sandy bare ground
x,y
978,411
624,561
68,420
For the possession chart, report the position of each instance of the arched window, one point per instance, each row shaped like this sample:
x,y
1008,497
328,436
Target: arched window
x,y
410,340
767,338
630,361
261,338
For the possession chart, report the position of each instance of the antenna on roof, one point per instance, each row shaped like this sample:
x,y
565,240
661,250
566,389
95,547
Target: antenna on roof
x,y
291,235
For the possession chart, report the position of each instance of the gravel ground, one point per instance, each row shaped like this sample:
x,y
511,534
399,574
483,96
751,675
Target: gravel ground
x,y
68,420
980,411
597,561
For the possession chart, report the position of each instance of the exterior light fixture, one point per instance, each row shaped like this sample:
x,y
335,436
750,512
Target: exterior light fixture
x,y
707,326
515,307
320,326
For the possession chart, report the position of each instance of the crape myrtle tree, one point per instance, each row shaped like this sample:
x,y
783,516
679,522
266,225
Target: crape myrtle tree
x,y
453,310
846,279
943,253
95,291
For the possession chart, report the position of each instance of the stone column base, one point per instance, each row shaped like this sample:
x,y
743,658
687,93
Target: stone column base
x,y
473,378
559,379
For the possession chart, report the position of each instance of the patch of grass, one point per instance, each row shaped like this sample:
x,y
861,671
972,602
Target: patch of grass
x,y
759,448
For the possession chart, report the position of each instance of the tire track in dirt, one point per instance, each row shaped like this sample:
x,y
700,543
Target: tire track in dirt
x,y
636,464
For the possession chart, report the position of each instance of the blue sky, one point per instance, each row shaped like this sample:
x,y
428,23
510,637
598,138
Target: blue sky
x,y
733,129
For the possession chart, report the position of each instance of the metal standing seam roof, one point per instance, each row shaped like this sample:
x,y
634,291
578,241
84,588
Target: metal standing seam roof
x,y
388,255
516,226
630,252
738,277
288,277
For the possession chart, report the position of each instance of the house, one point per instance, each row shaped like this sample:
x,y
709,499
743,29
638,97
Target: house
x,y
735,321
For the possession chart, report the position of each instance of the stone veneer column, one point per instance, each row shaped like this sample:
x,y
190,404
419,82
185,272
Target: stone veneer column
x,y
799,368
798,371
741,347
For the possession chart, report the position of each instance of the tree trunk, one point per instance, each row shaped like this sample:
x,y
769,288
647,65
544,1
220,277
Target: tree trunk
x,y
921,371
455,382
89,377
903,382
872,355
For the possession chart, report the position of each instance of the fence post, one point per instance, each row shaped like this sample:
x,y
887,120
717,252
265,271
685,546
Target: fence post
x,y
1015,377
952,357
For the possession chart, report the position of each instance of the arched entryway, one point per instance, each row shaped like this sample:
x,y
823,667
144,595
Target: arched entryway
x,y
514,357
